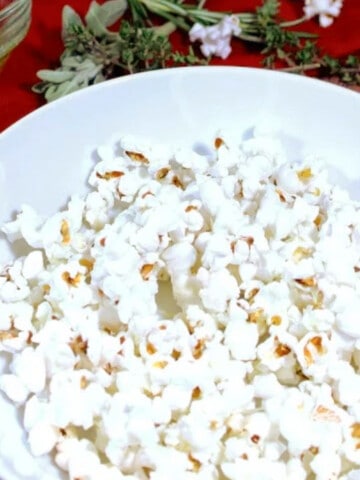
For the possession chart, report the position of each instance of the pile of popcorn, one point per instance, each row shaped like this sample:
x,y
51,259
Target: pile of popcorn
x,y
196,316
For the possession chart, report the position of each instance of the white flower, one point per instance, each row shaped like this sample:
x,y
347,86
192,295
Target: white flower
x,y
326,9
215,40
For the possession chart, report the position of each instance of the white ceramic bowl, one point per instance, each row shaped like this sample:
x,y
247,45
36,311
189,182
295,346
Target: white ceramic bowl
x,y
47,156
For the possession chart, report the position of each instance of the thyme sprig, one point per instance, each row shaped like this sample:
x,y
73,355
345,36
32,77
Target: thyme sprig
x,y
308,57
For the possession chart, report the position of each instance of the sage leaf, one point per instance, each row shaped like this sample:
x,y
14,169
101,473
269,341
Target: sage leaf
x,y
55,92
40,87
94,21
164,30
55,76
99,78
69,19
86,65
50,92
101,16
71,61
111,11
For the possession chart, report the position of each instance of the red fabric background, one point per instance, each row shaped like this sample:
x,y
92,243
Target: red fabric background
x,y
42,46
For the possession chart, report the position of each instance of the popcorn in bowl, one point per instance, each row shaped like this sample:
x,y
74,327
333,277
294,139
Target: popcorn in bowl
x,y
193,317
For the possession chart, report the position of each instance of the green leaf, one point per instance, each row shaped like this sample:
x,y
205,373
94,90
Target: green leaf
x,y
99,17
94,21
347,77
99,78
138,12
352,61
164,30
50,93
111,11
71,61
331,63
55,76
56,91
280,53
40,87
269,61
69,19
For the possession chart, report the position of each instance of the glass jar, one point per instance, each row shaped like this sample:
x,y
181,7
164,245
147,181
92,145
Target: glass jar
x,y
15,16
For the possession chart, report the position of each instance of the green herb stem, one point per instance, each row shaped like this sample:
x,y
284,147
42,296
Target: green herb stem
x,y
294,23
302,68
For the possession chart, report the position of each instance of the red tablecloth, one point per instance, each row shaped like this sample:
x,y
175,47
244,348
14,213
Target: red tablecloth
x,y
42,47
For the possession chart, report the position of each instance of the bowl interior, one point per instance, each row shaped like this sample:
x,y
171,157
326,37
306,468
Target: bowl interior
x,y
47,156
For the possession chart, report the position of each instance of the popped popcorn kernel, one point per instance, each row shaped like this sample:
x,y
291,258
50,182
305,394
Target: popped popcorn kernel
x,y
177,182
276,320
301,253
146,271
162,173
150,348
87,263
198,349
256,316
78,345
306,282
325,414
110,175
318,221
84,382
196,393
196,464
65,232
137,157
355,430
218,142
314,344
72,281
305,174
176,354
282,350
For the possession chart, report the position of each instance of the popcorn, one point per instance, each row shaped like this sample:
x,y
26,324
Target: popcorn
x,y
189,315
13,387
29,367
33,265
241,338
42,438
211,297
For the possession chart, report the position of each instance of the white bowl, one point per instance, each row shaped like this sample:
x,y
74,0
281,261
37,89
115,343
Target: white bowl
x,y
47,155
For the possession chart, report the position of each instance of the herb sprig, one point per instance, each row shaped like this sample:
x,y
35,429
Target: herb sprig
x,y
94,52
308,57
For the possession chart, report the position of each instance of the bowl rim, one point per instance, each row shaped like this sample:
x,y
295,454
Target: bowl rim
x,y
300,80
